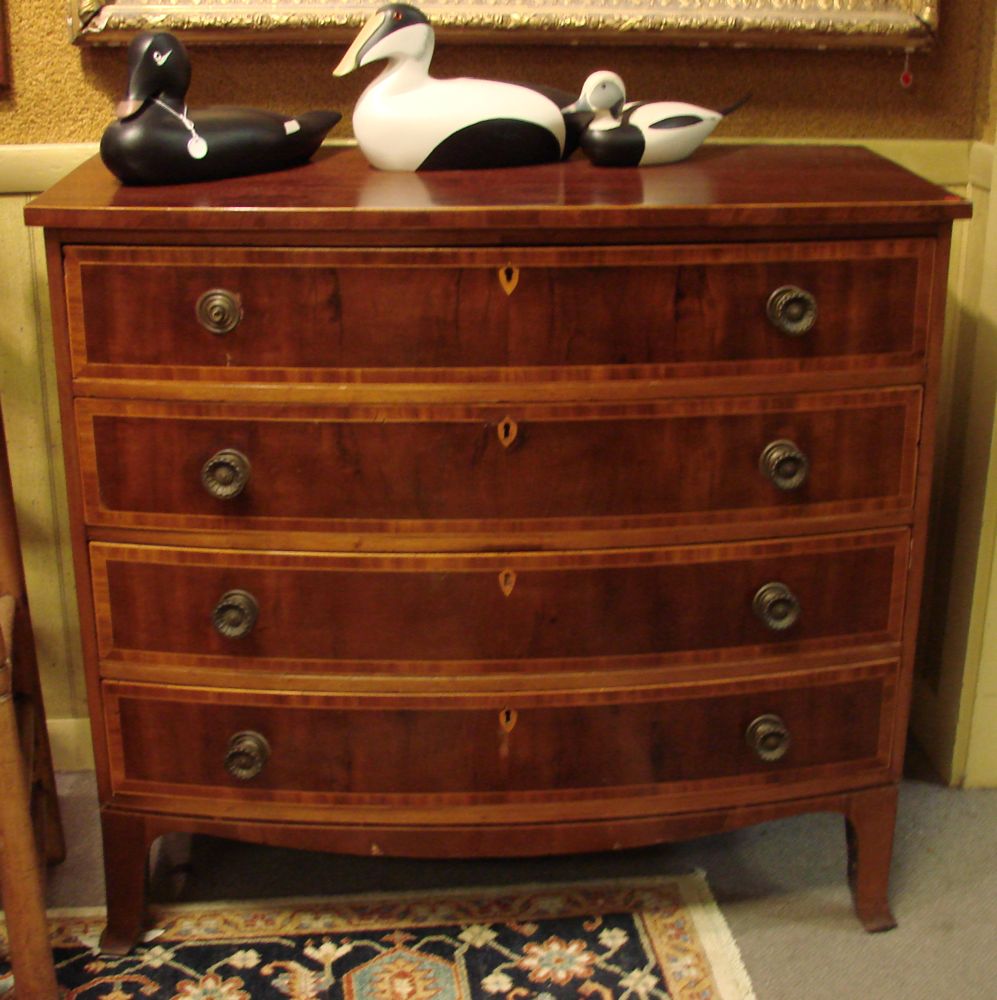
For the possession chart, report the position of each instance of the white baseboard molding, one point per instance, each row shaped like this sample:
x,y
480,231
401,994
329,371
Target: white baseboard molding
x,y
945,162
30,169
72,749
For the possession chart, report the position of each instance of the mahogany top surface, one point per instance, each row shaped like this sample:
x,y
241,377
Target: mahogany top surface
x,y
719,186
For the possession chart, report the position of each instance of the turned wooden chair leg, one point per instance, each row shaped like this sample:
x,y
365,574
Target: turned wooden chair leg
x,y
25,684
30,827
21,875
869,826
47,817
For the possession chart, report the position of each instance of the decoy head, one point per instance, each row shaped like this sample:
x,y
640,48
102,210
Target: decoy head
x,y
157,66
395,31
602,90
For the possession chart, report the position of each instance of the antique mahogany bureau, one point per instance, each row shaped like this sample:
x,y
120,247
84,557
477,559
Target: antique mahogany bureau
x,y
499,513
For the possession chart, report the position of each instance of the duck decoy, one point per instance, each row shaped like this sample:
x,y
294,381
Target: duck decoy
x,y
640,133
155,140
408,120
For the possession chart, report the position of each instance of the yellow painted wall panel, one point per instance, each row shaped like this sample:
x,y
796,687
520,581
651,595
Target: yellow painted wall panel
x,y
981,770
27,389
957,656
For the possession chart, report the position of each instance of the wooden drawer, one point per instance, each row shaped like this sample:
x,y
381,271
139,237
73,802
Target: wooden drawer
x,y
462,750
458,315
478,470
467,614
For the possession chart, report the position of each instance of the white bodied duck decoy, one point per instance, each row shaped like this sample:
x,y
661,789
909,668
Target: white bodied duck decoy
x,y
408,120
639,133
155,140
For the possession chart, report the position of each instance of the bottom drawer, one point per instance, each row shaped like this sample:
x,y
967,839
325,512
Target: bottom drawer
x,y
458,750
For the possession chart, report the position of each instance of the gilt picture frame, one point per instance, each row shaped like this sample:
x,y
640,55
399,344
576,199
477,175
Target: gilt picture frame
x,y
909,24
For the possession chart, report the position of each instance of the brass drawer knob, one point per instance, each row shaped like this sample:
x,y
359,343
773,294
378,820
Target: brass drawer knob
x,y
219,311
235,614
783,463
768,737
777,606
792,310
225,474
247,754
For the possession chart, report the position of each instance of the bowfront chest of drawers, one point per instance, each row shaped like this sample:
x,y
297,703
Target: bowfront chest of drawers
x,y
500,513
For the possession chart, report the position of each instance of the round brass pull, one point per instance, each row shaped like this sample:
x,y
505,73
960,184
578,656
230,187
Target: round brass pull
x,y
219,311
784,463
792,310
235,614
246,756
777,606
225,474
768,737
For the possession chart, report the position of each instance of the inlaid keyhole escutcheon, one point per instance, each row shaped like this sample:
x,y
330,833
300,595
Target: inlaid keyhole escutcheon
x,y
508,278
507,581
508,431
507,722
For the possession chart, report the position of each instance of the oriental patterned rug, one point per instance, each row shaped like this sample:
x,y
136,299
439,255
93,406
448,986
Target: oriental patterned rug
x,y
640,939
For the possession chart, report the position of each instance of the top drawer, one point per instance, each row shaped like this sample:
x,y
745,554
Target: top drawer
x,y
522,314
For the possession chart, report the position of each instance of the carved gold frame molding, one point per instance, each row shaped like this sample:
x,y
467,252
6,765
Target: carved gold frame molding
x,y
907,24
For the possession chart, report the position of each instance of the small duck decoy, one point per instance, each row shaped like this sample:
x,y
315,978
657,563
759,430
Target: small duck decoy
x,y
640,133
155,140
408,120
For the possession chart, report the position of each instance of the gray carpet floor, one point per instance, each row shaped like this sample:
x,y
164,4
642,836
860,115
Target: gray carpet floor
x,y
781,887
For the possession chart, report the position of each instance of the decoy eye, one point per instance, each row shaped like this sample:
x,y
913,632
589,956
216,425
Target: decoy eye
x,y
397,15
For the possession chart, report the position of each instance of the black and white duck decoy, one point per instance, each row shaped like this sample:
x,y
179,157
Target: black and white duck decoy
x,y
156,140
639,133
408,120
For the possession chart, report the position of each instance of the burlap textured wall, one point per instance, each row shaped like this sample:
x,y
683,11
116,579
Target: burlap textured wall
x,y
62,93
988,89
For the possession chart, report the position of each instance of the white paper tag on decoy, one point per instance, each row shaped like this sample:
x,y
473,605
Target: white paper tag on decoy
x,y
292,126
197,147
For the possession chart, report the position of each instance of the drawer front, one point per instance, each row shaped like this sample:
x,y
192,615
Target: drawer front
x,y
303,315
482,469
451,750
508,612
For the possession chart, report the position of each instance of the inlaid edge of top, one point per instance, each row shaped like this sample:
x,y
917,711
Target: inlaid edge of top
x,y
720,185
